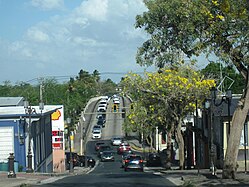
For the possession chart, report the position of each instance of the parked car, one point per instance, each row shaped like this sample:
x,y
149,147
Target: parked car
x,y
103,148
98,144
96,135
134,162
154,160
107,156
125,146
116,141
82,161
74,159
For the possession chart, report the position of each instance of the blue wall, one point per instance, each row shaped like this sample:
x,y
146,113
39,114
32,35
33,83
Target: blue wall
x,y
19,148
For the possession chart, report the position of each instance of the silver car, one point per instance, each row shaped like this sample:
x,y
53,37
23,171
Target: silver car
x,y
116,140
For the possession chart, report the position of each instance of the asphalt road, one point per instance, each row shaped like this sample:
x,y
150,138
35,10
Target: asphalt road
x,y
110,174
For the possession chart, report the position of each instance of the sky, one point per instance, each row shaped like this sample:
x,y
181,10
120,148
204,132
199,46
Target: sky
x,y
58,38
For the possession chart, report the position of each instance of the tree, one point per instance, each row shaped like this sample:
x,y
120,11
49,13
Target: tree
x,y
201,26
166,98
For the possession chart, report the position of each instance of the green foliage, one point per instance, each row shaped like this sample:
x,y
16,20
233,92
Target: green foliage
x,y
184,28
73,94
214,70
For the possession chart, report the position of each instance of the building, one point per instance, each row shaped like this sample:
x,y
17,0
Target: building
x,y
21,129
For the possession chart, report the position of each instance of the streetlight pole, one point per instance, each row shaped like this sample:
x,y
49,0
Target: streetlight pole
x,y
29,110
70,146
225,98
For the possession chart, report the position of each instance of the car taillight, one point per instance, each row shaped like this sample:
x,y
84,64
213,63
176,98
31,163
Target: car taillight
x,y
141,161
126,161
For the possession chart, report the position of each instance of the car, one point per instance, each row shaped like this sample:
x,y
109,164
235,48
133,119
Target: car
x,y
116,101
103,102
106,98
124,156
96,135
125,146
96,128
134,162
107,156
82,161
98,144
103,148
101,117
116,141
74,159
101,108
154,160
101,122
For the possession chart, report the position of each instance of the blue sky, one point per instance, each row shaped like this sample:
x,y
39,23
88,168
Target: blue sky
x,y
43,38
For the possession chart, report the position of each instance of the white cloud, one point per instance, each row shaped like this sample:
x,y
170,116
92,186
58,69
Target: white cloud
x,y
94,9
37,35
98,34
48,4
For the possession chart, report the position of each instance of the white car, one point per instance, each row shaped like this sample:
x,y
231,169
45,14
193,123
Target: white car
x,y
96,134
116,101
116,140
96,128
101,108
103,102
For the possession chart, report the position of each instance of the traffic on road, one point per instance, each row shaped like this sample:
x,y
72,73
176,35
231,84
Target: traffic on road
x,y
110,154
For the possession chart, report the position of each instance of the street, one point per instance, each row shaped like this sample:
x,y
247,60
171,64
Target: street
x,y
111,173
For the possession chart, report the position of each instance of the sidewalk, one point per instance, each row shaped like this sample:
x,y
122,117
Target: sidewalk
x,y
193,177
29,179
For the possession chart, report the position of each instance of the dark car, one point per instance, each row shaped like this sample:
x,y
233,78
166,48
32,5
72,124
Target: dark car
x,y
107,156
124,157
101,122
134,162
98,144
82,161
74,159
154,160
103,148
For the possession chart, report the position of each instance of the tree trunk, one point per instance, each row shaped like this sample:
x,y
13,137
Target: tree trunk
x,y
149,140
238,121
168,154
180,142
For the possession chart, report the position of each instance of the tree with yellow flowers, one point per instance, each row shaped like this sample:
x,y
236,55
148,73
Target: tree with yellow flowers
x,y
164,99
185,28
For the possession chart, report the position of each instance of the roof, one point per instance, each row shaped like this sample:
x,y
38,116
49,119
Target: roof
x,y
11,101
16,112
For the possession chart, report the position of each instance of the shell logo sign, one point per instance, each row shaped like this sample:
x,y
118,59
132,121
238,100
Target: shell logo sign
x,y
56,115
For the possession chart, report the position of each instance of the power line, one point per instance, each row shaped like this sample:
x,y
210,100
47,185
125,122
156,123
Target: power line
x,y
64,77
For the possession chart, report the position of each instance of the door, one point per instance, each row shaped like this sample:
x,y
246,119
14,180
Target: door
x,y
6,142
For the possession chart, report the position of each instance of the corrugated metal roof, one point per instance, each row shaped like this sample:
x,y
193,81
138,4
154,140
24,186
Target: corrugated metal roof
x,y
11,101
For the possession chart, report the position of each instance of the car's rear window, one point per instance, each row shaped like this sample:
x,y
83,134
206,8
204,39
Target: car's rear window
x,y
135,158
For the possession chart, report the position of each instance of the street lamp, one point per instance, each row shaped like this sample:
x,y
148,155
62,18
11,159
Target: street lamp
x,y
29,110
70,146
